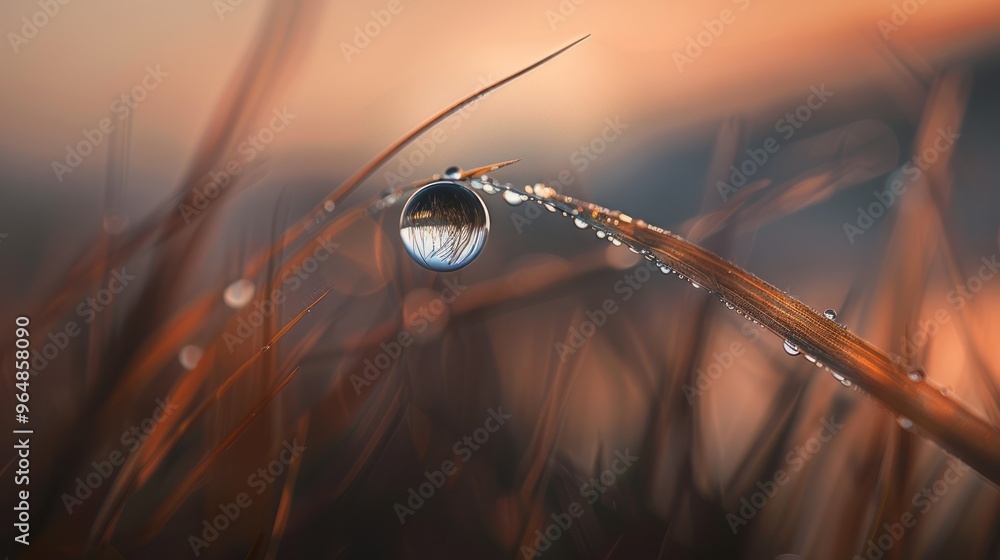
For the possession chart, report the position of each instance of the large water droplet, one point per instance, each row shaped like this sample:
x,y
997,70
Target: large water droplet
x,y
239,293
444,226
512,198
830,314
580,223
791,349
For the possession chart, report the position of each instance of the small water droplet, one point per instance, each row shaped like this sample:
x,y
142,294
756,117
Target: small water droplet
x,y
665,269
329,205
490,188
239,293
189,356
810,358
452,172
906,423
601,234
266,348
615,241
444,226
830,314
730,306
917,375
580,223
512,198
695,284
549,207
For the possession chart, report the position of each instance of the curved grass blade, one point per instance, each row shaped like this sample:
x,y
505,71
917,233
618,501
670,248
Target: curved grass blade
x,y
829,345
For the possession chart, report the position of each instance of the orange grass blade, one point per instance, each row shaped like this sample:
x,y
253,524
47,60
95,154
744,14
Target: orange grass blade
x,y
958,430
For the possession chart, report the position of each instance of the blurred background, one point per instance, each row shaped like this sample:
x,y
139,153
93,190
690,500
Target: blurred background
x,y
173,204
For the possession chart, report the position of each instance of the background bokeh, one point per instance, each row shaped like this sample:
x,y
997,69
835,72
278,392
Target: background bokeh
x,y
646,116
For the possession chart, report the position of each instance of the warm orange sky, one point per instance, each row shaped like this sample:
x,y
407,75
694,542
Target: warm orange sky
x,y
67,76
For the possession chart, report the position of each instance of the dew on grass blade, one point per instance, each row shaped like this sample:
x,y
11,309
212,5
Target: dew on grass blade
x,y
512,197
239,293
444,226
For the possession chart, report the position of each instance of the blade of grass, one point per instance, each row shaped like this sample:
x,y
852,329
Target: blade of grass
x,y
958,430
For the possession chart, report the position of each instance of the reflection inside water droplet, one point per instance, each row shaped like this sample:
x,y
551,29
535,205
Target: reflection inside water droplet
x,y
239,293
830,314
444,226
